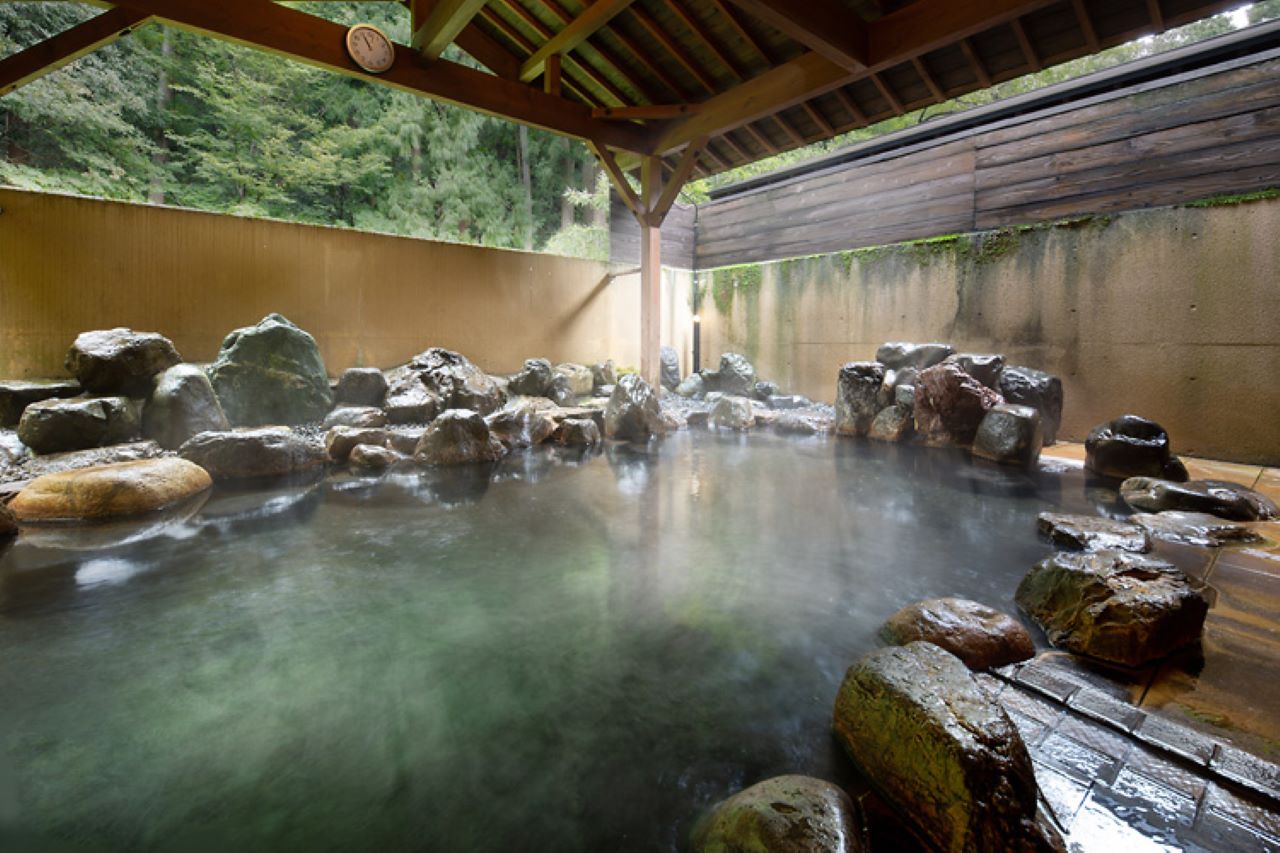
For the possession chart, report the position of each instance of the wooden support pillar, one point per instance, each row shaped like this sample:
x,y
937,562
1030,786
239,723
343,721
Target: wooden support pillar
x,y
650,273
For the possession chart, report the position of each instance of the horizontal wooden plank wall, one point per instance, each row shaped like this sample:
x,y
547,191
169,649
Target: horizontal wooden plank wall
x,y
1199,135
677,236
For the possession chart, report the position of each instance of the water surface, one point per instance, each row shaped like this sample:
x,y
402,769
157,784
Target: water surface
x,y
563,653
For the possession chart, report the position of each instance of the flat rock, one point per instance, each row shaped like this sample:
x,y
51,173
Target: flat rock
x,y
361,386
732,413
1009,435
1114,606
74,460
16,395
979,635
1131,446
77,423
1215,497
182,405
271,373
120,361
927,735
803,423
893,423
950,405
110,491
899,354
242,454
577,432
787,814
787,402
339,441
1195,528
1093,533
373,457
1041,391
364,417
634,412
858,396
458,437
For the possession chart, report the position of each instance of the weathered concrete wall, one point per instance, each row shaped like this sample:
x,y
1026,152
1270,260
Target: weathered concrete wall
x,y
1171,313
69,264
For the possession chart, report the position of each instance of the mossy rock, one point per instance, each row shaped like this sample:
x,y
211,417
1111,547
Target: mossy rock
x,y
271,373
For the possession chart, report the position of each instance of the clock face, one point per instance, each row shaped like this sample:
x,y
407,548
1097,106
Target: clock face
x,y
370,48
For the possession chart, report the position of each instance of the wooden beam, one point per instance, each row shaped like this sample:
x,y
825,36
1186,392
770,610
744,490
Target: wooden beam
x,y
819,119
701,34
603,52
551,77
438,23
67,46
1028,49
596,16
488,52
662,37
287,32
658,212
895,103
646,112
1156,15
923,71
976,63
650,276
517,38
826,27
851,106
618,178
1086,25
929,24
585,70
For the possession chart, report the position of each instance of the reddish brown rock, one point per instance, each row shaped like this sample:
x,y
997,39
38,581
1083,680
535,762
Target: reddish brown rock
x,y
950,405
979,635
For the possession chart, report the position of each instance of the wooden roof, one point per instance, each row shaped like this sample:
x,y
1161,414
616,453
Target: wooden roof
x,y
739,80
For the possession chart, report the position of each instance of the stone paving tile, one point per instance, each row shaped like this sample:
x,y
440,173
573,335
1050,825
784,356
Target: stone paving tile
x,y
1044,680
1032,731
1098,828
1031,705
1098,738
1061,793
1256,774
1258,815
1217,832
1123,684
1076,760
1099,706
1177,739
1146,803
1169,773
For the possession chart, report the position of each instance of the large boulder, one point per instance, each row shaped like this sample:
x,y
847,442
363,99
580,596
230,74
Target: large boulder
x,y
787,814
579,378
16,395
980,636
1009,435
120,361
1195,528
363,417
408,399
76,423
670,364
735,375
243,454
928,736
1131,446
1039,390
1215,497
361,386
984,367
182,405
1093,533
1114,606
734,413
457,382
533,380
858,396
950,405
897,355
893,423
633,412
110,491
458,437
271,373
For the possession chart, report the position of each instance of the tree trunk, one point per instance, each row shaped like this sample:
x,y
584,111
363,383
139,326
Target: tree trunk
x,y
526,179
164,97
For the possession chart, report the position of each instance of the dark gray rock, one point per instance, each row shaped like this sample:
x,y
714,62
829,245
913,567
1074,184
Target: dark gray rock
x,y
787,402
560,392
980,636
182,405
1093,533
16,395
533,380
341,440
733,413
361,386
408,399
1114,606
899,354
1009,435
271,373
366,417
787,814
245,454
1130,446
670,362
634,412
373,457
577,432
692,387
857,396
603,375
1195,528
765,391
120,361
523,421
925,732
458,437
1039,390
950,405
1215,497
892,423
456,382
987,368
735,375
77,423
905,396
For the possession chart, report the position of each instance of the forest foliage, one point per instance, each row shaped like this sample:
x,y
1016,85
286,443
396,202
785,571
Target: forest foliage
x,y
173,118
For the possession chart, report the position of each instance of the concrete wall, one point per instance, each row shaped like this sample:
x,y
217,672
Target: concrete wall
x,y
1171,313
70,264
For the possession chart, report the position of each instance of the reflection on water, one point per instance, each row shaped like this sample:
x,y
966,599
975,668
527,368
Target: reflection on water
x,y
569,652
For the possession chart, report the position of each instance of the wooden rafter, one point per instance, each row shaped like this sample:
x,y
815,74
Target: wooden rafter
x,y
1086,25
976,63
891,97
603,52
646,112
437,23
523,44
1029,52
671,189
662,37
826,27
583,70
1156,15
851,106
596,16
705,38
68,46
307,38
818,118
922,71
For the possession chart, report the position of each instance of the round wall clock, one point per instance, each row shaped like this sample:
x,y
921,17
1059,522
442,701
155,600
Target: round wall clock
x,y
370,48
